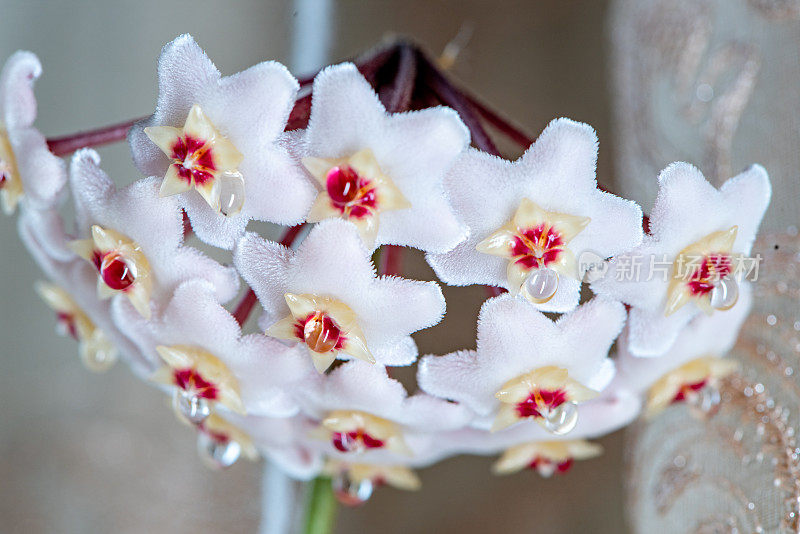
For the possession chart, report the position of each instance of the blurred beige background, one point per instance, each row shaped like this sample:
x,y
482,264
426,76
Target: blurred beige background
x,y
86,453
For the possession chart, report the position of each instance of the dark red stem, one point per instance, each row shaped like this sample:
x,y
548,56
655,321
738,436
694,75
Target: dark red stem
x,y
391,260
61,146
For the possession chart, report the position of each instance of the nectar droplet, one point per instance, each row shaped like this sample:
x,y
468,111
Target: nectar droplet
x,y
706,400
321,333
561,419
231,193
725,294
190,406
350,492
216,453
98,359
541,284
116,272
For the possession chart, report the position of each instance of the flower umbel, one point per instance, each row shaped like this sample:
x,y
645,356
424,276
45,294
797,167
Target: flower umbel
x,y
120,264
326,325
539,395
535,240
201,157
355,189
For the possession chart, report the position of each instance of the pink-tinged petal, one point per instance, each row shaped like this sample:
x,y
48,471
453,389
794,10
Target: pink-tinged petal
x,y
17,101
43,175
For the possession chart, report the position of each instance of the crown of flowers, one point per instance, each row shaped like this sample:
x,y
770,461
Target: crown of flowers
x,y
359,162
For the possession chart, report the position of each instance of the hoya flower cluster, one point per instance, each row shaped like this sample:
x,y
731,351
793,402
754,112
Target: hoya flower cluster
x,y
310,388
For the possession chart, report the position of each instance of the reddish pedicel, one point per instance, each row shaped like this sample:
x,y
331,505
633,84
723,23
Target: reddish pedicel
x,y
352,194
190,380
539,400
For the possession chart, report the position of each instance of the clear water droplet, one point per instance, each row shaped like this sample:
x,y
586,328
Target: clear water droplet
x,y
541,284
217,454
545,468
190,406
725,294
98,359
231,193
352,492
706,400
561,419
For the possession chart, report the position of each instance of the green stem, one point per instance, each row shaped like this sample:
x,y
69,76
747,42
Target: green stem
x,y
322,507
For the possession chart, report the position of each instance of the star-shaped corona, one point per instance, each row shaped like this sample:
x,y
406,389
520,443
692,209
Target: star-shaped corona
x,y
327,327
546,457
201,381
692,382
353,431
10,183
535,244
202,158
547,395
121,266
702,272
355,189
97,352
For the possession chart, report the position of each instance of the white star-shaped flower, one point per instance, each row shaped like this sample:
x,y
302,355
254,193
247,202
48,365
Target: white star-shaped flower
x,y
695,360
699,238
530,220
78,281
135,239
219,135
326,295
382,171
203,354
27,167
366,416
528,367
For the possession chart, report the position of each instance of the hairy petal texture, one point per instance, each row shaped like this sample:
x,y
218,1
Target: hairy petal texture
x,y
250,109
154,224
333,262
413,149
557,174
513,339
687,210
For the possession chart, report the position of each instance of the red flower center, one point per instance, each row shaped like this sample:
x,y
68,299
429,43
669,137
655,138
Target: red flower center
x,y
3,176
548,466
688,390
190,380
541,400
711,269
319,332
537,247
114,270
193,159
353,441
351,193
